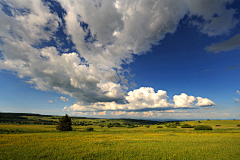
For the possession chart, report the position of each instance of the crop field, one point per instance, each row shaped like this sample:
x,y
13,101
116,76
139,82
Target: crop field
x,y
44,142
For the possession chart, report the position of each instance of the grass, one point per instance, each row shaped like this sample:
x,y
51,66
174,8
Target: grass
x,y
123,143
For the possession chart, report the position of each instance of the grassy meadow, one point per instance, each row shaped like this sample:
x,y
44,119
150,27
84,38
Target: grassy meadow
x,y
44,142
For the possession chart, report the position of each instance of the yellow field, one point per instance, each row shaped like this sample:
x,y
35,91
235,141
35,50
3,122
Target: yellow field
x,y
124,143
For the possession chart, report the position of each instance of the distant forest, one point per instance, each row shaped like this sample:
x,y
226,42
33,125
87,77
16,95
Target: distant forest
x,y
31,118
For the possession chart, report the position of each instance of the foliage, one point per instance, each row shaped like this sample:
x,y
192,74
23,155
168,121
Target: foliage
x,y
238,125
109,125
177,123
171,125
199,121
101,125
147,126
187,126
65,124
89,129
203,127
130,126
159,127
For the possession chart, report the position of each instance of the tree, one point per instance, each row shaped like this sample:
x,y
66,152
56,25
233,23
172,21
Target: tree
x,y
65,124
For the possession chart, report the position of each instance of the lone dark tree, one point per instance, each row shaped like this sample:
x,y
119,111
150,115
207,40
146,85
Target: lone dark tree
x,y
65,124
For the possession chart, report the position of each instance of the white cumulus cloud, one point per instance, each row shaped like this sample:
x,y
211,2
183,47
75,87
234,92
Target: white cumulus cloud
x,y
114,31
64,99
204,102
183,100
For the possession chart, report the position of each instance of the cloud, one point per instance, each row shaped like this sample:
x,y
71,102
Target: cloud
x,y
204,102
224,114
138,99
50,101
236,99
100,37
117,113
147,114
144,99
133,114
237,92
99,113
233,67
64,99
218,19
80,113
230,44
183,100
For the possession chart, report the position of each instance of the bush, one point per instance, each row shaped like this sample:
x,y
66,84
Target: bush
x,y
89,129
187,126
147,126
199,121
202,127
238,125
170,125
130,126
177,124
65,124
159,127
109,125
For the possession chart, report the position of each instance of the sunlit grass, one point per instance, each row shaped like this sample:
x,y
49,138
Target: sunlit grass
x,y
123,143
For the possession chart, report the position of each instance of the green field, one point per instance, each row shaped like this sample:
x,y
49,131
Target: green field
x,y
44,142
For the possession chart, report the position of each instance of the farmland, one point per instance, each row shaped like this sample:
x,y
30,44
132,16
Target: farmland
x,y
31,141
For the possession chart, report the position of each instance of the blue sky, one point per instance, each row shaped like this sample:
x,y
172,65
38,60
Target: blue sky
x,y
141,59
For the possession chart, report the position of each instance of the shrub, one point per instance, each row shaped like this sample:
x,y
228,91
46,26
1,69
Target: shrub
x,y
65,124
109,125
199,121
202,127
187,126
130,126
238,125
147,126
177,124
159,127
170,125
102,125
89,129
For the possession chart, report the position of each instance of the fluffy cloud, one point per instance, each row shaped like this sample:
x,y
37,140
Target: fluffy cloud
x,y
104,35
50,101
117,113
142,98
230,44
64,99
238,92
204,102
99,113
183,100
147,114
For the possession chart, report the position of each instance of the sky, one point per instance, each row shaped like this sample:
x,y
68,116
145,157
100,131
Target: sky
x,y
140,59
